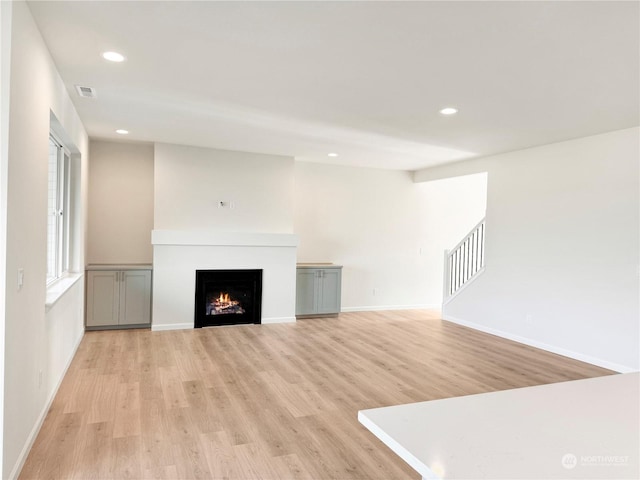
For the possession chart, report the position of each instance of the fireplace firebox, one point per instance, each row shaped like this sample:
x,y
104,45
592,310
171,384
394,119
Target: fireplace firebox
x,y
228,297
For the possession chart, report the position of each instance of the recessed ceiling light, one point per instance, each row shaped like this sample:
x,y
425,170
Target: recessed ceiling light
x,y
449,111
122,132
333,154
113,56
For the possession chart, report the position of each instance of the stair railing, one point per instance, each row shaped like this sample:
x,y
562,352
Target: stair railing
x,y
464,262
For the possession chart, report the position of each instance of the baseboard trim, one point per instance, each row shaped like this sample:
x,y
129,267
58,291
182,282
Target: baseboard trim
x,y
171,326
543,346
17,468
278,320
381,308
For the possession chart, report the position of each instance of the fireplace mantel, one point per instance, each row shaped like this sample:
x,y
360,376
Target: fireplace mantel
x,y
177,254
209,238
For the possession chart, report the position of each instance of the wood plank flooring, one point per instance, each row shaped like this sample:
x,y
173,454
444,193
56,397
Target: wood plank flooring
x,y
267,401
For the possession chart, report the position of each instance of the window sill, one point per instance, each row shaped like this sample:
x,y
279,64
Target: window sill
x,y
57,289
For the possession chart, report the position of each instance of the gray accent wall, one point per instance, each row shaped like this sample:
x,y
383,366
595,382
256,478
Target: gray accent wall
x,y
120,203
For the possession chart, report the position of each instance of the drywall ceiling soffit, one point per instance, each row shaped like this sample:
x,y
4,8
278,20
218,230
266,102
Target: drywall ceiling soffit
x,y
363,79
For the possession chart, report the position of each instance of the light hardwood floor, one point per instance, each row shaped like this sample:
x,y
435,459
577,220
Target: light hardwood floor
x,y
267,401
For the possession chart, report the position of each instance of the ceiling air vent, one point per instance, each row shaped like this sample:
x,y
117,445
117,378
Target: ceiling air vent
x,y
88,92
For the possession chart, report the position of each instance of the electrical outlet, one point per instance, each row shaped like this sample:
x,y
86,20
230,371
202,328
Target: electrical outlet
x,y
20,278
375,290
528,318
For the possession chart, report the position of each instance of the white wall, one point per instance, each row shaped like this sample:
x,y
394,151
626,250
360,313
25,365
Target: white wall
x,y
35,341
5,76
562,248
189,181
120,203
453,207
388,232
377,224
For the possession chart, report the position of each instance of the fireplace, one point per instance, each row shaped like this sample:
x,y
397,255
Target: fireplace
x,y
228,297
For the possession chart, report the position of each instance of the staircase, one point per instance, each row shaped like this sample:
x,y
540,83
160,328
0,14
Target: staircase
x,y
464,263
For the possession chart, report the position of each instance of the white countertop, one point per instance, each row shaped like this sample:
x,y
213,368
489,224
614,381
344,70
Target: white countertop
x,y
579,429
317,265
119,266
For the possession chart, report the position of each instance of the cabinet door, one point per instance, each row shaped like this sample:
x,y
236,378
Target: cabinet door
x,y
135,297
329,291
102,298
306,291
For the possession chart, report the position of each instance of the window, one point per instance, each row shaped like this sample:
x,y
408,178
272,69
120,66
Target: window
x,y
58,208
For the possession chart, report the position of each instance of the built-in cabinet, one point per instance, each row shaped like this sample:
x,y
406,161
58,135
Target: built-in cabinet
x,y
318,288
118,296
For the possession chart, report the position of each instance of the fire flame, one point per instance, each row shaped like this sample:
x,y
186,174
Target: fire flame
x,y
224,304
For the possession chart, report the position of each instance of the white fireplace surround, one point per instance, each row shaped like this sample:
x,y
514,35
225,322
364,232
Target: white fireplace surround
x,y
177,254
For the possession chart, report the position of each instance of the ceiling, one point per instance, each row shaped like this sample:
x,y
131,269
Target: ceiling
x,y
365,80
